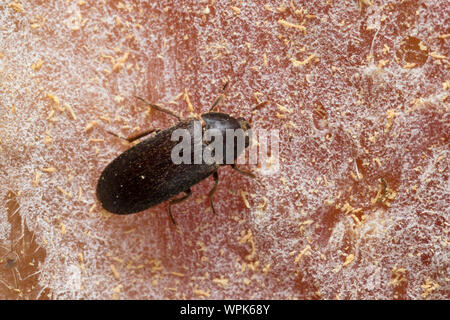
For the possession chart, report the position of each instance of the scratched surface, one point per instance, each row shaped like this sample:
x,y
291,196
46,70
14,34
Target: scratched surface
x,y
358,90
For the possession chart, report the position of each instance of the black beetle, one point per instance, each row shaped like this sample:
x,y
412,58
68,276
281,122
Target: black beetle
x,y
144,175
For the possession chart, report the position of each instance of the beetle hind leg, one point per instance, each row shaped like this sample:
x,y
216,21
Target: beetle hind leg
x,y
210,194
188,193
159,108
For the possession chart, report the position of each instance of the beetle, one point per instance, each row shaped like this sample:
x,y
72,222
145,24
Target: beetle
x,y
145,175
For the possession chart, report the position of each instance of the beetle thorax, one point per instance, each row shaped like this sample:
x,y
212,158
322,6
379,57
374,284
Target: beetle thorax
x,y
233,133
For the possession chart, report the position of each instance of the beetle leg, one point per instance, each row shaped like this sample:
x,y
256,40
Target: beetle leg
x,y
210,194
135,136
246,173
219,98
188,192
159,108
141,134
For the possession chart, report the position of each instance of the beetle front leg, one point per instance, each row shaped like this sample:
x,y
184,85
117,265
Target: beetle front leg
x,y
188,193
210,194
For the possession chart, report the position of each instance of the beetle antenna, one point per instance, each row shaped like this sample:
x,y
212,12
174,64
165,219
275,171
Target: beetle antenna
x,y
255,108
